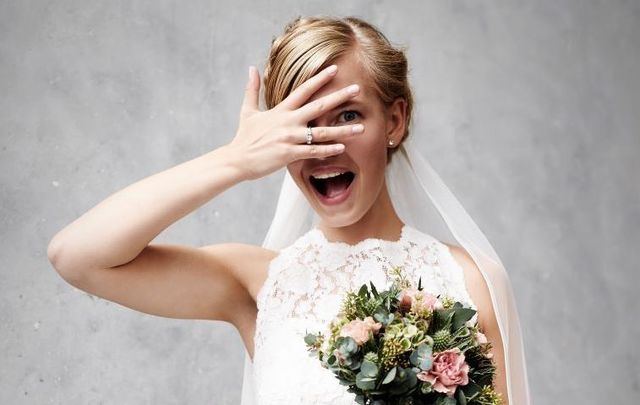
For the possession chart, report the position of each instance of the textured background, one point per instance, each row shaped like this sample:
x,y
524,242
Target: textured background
x,y
539,98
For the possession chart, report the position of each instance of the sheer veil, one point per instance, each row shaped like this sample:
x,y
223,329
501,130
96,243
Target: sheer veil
x,y
412,182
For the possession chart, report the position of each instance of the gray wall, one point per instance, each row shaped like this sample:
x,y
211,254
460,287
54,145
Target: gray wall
x,y
539,99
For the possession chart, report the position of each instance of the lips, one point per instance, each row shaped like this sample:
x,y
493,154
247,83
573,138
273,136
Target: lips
x,y
331,189
330,183
332,186
329,169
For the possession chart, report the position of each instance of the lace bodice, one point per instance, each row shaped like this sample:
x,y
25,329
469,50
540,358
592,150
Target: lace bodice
x,y
303,292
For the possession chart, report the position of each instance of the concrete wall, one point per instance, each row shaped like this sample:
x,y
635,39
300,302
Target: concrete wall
x,y
540,98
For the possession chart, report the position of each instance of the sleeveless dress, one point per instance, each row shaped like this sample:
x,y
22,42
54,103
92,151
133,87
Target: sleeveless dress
x,y
303,292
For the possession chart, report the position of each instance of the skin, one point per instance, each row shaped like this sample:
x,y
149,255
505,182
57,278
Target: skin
x,y
221,281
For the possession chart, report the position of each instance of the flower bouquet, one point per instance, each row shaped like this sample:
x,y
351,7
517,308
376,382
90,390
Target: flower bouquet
x,y
406,346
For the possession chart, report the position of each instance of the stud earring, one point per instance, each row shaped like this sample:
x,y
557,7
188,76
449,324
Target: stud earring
x,y
390,143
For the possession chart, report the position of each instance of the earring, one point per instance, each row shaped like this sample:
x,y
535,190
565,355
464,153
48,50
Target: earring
x,y
390,143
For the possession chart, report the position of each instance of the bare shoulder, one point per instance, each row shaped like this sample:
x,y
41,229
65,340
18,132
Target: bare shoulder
x,y
247,263
474,282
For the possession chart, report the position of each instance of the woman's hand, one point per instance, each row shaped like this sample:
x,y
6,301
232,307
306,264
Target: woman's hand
x,y
268,140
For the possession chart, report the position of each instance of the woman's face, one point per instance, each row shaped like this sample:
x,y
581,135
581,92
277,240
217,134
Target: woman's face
x,y
364,159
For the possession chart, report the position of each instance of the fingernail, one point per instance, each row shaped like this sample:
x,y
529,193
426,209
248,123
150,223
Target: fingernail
x,y
357,128
250,71
353,89
332,69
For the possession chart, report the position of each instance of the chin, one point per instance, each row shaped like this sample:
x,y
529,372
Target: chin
x,y
339,220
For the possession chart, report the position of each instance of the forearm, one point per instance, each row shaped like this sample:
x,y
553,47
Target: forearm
x,y
116,230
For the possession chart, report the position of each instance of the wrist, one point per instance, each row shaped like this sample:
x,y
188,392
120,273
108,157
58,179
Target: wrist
x,y
229,160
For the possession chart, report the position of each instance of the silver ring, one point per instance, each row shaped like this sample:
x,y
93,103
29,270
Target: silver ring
x,y
309,135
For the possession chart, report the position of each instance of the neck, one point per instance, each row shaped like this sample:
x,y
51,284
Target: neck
x,y
381,222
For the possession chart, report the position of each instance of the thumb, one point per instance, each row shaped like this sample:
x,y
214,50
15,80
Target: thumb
x,y
251,92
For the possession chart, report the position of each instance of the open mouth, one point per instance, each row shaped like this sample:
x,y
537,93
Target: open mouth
x,y
331,187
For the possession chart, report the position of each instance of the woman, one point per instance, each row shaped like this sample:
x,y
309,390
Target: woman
x,y
342,79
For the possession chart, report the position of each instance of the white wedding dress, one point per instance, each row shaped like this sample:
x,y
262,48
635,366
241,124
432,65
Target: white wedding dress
x,y
303,293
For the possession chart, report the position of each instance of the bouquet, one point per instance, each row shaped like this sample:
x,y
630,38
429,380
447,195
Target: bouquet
x,y
406,346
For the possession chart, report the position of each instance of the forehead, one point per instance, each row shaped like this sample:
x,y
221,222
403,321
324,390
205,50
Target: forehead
x,y
350,71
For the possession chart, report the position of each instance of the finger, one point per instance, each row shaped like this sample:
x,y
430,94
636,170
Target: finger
x,y
316,108
326,134
301,94
316,151
251,92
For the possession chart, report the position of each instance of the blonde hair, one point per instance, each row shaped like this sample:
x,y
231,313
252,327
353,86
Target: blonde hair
x,y
309,44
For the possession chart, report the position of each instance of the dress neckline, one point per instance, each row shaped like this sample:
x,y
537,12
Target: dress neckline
x,y
403,236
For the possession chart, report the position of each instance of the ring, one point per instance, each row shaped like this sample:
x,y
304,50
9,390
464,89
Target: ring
x,y
309,135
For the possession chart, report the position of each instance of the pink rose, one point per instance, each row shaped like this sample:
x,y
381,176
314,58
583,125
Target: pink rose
x,y
447,372
359,329
372,325
418,300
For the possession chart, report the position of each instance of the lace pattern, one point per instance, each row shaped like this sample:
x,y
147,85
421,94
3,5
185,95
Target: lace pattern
x,y
303,292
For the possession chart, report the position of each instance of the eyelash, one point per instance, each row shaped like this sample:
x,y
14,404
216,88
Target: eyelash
x,y
349,111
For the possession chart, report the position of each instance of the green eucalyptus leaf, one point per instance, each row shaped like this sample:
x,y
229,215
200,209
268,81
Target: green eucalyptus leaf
x,y
353,363
310,339
391,318
390,376
411,375
369,369
421,357
380,317
365,383
405,381
346,345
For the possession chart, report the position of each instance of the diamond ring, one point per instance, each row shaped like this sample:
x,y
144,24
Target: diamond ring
x,y
309,135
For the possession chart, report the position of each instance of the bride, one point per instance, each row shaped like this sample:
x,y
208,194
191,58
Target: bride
x,y
355,192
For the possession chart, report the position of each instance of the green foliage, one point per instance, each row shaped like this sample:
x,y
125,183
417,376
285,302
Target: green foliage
x,y
445,401
460,316
421,357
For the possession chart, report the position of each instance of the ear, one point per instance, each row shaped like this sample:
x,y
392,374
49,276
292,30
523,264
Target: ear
x,y
396,121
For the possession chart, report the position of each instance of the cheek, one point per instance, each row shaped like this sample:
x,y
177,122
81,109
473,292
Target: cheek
x,y
295,170
371,148
370,154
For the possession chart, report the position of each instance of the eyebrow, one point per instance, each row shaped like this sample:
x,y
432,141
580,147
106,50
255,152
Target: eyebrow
x,y
349,103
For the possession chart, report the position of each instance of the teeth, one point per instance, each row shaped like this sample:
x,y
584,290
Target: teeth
x,y
327,175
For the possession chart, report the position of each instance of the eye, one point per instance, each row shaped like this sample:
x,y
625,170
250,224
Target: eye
x,y
350,113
